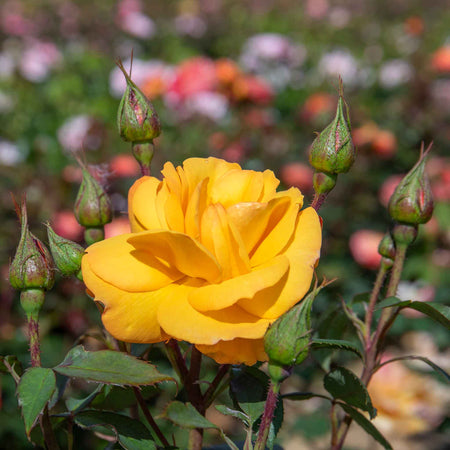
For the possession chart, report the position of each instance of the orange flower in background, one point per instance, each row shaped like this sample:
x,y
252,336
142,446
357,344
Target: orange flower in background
x,y
440,60
215,255
415,409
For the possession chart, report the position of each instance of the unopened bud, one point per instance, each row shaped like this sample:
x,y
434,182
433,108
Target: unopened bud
x,y
66,254
92,206
324,182
287,340
386,248
333,151
32,266
137,119
412,201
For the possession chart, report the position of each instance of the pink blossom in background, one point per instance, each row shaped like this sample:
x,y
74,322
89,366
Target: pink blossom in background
x,y
190,25
298,175
131,19
208,104
317,105
124,166
339,63
384,144
388,188
234,152
364,248
253,89
316,9
65,224
191,77
37,59
13,20
119,225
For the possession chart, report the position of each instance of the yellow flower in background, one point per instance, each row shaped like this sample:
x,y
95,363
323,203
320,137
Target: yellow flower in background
x,y
215,255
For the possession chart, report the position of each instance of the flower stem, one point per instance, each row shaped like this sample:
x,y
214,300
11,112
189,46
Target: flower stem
x,y
149,417
267,417
318,201
195,439
209,395
47,431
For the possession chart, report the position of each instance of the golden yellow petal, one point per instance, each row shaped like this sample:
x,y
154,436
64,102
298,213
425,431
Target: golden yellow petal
x,y
180,320
221,238
131,269
237,351
142,205
302,252
178,250
128,316
218,296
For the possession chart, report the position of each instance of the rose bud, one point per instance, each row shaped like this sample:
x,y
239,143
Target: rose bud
x,y
137,119
324,182
92,205
66,254
32,266
412,201
286,341
386,248
333,151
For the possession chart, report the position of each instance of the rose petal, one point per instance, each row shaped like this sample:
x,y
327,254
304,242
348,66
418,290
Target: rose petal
x,y
280,227
128,316
118,262
180,320
302,252
237,351
178,250
142,205
221,238
218,296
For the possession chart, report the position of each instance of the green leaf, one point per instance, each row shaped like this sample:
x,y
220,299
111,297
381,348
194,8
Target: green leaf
x,y
131,434
34,391
232,412
420,358
436,311
186,416
248,389
109,367
361,298
336,344
366,425
75,405
343,384
299,396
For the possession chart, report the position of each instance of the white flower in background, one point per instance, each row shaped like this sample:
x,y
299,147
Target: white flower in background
x,y
339,63
190,25
394,73
10,155
274,57
7,65
208,104
141,72
73,133
440,94
37,59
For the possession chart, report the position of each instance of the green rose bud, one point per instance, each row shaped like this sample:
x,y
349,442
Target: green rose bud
x,y
137,119
92,206
412,201
66,254
386,248
333,151
287,340
32,267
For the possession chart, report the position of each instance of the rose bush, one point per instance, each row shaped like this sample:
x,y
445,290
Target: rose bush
x,y
215,255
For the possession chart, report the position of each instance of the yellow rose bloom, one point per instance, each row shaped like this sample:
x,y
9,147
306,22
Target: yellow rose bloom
x,y
214,257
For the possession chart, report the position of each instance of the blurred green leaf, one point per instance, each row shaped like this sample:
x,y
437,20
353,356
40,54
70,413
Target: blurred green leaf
x,y
110,367
299,396
225,410
186,416
34,391
336,344
343,384
366,425
131,434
